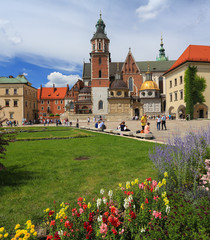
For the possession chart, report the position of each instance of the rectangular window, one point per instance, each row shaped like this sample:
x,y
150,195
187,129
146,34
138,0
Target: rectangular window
x,y
170,84
170,97
56,101
48,109
26,92
181,80
175,82
26,103
99,45
34,95
42,102
99,60
175,96
99,74
48,102
181,94
15,91
11,115
59,108
7,103
7,91
93,47
61,101
15,103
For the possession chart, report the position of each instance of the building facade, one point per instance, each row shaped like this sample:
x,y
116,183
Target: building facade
x,y
20,99
51,101
194,55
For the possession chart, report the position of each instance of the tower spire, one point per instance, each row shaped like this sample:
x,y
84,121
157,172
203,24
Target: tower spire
x,y
162,56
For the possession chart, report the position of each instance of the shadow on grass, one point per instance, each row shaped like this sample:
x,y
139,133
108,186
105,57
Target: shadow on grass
x,y
14,176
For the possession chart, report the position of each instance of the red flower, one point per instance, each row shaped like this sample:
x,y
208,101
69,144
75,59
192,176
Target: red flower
x,y
114,231
52,223
106,214
149,179
51,213
49,237
80,199
146,201
84,206
132,214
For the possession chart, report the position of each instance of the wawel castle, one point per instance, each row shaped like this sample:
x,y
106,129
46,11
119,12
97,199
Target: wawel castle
x,y
113,90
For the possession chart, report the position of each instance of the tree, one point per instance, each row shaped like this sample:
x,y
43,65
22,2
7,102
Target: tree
x,y
194,86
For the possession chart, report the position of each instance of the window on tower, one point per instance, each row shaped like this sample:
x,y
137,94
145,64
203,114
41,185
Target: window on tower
x,y
99,60
100,104
105,47
99,74
99,45
93,47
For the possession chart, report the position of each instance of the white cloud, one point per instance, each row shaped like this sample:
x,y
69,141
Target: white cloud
x,y
61,80
152,9
25,74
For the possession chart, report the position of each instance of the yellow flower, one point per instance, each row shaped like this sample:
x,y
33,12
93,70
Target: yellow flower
x,y
165,174
159,184
136,180
32,230
28,222
27,235
142,206
35,234
1,236
47,210
6,235
132,183
163,194
1,229
89,205
32,226
120,185
17,226
83,199
164,181
20,238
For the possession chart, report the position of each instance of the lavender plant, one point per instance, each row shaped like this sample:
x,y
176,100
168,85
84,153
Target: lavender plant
x,y
183,158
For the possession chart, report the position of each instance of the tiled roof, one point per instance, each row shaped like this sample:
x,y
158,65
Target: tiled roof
x,y
12,80
52,92
193,53
155,66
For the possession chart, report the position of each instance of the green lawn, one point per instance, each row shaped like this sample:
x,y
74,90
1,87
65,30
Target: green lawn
x,y
39,172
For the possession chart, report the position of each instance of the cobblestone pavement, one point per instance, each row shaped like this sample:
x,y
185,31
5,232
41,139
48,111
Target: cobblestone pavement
x,y
174,127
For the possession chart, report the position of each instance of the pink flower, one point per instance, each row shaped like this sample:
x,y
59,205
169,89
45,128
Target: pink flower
x,y
141,186
154,183
81,210
122,231
157,214
103,228
155,198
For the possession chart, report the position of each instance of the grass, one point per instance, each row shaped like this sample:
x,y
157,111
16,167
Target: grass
x,y
39,172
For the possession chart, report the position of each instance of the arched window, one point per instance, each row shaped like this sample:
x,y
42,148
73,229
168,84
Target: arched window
x,y
71,105
100,105
99,74
130,83
99,46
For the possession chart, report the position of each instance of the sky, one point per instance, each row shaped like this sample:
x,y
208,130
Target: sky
x,y
49,40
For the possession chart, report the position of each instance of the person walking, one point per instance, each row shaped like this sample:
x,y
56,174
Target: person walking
x,y
163,121
158,120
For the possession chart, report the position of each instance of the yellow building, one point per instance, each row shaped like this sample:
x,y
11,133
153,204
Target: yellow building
x,y
20,99
194,55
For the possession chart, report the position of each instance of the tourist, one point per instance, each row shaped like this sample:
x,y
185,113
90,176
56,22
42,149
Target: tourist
x,y
143,121
88,120
158,121
147,128
163,121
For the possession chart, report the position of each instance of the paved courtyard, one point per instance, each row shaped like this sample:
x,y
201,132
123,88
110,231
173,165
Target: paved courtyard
x,y
174,127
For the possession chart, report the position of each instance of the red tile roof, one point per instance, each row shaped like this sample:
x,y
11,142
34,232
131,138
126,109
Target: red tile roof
x,y
52,93
194,53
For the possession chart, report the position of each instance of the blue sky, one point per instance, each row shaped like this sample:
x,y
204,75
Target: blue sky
x,y
48,40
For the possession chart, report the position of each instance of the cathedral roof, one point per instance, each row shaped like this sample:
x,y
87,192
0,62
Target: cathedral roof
x,y
85,90
149,85
118,84
100,30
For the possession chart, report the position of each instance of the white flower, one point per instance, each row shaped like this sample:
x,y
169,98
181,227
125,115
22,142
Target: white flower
x,y
134,206
167,209
142,230
130,197
102,191
156,188
110,193
126,203
98,202
60,233
104,200
99,218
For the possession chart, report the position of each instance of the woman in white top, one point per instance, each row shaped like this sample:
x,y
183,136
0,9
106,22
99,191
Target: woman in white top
x,y
158,120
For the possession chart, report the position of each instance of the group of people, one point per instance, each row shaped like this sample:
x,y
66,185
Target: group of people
x,y
122,127
100,125
159,120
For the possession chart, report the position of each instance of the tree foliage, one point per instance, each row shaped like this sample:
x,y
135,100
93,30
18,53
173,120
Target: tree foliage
x,y
194,86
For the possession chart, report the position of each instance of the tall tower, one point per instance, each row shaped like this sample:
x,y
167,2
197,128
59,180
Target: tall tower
x,y
162,56
100,58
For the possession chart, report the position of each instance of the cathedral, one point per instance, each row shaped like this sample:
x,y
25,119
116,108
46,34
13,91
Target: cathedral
x,y
125,89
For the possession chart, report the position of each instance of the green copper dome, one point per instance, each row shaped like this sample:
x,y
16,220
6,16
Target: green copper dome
x,y
162,56
100,30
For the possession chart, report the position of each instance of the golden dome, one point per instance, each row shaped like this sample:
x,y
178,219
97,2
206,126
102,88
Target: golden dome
x,y
149,85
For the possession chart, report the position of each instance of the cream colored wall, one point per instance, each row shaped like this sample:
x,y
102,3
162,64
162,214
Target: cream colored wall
x,y
17,111
203,70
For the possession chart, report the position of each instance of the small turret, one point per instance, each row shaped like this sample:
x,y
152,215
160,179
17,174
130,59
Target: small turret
x,y
162,56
